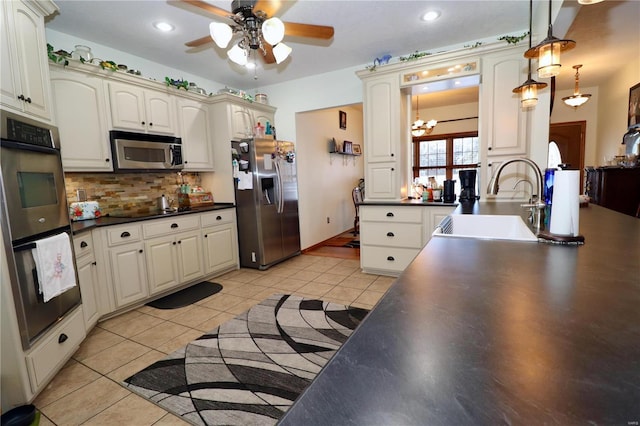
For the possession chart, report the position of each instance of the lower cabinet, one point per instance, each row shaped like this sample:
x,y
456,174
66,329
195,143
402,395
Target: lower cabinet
x,y
220,241
88,278
151,257
392,236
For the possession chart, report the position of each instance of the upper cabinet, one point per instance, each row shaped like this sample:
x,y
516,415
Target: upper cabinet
x,y
25,76
85,141
140,109
193,122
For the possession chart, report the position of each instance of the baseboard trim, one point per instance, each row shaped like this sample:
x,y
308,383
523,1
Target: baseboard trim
x,y
323,243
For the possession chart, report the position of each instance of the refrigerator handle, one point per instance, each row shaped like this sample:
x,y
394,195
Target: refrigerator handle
x,y
279,187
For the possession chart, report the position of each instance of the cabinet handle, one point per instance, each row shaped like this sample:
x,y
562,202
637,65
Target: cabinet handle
x,y
140,251
490,165
392,154
21,98
174,225
106,160
62,338
142,122
390,234
125,234
150,124
218,217
206,235
179,241
392,169
94,263
488,148
390,258
389,214
28,100
83,244
174,243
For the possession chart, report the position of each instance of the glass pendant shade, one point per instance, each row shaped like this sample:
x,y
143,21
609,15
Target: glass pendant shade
x,y
273,31
577,98
529,96
549,60
220,33
417,132
238,55
281,52
418,122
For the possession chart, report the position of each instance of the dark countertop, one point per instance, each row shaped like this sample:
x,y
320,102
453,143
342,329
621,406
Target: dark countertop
x,y
86,225
496,332
407,202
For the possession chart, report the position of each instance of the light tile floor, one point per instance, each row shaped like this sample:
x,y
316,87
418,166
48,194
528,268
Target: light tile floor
x,y
87,390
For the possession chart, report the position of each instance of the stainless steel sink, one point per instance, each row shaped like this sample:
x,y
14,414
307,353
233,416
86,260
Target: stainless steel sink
x,y
488,227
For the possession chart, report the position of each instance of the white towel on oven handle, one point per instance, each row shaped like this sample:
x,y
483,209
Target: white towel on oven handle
x,y
54,264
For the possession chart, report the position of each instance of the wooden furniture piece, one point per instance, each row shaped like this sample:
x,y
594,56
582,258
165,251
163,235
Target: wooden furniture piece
x,y
616,188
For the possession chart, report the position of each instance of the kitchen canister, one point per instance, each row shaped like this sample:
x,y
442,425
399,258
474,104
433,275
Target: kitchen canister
x,y
261,98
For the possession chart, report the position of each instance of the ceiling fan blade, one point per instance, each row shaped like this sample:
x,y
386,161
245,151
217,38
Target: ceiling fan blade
x,y
308,30
209,8
268,57
269,7
199,42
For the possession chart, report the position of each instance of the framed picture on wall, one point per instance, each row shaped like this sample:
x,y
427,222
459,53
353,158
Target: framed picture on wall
x,y
634,105
356,149
347,147
343,120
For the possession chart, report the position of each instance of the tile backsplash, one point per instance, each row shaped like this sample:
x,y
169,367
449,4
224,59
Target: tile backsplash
x,y
127,192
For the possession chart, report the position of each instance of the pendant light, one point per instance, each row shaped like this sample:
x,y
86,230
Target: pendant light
x,y
419,127
577,99
529,89
548,52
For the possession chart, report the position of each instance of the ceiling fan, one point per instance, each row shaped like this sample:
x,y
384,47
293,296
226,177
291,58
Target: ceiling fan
x,y
260,30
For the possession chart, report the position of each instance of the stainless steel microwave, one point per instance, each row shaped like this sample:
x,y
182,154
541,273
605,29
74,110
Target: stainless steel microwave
x,y
138,152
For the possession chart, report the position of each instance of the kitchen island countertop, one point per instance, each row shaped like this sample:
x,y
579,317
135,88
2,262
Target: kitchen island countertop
x,y
496,332
86,225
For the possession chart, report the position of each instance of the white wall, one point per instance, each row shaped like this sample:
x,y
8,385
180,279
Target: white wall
x,y
326,180
452,112
612,109
587,112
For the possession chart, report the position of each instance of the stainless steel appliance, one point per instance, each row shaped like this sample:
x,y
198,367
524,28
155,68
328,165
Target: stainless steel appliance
x,y
140,152
34,205
266,202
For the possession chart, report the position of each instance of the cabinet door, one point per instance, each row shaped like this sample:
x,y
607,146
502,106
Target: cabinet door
x,y
9,75
129,275
160,112
220,248
190,255
382,106
381,181
241,122
88,281
263,118
27,53
127,107
196,141
85,140
162,264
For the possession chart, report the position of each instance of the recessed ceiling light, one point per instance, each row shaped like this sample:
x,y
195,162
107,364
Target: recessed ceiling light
x,y
431,15
163,26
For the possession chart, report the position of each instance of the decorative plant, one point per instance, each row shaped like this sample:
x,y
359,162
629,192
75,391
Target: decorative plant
x,y
474,45
415,55
108,65
57,57
513,39
184,84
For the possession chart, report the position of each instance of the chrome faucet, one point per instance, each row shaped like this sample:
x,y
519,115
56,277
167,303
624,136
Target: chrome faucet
x,y
536,204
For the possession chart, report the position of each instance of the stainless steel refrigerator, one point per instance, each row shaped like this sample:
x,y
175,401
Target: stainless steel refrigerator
x,y
266,187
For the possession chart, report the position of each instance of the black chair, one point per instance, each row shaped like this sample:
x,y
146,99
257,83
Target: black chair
x,y
358,196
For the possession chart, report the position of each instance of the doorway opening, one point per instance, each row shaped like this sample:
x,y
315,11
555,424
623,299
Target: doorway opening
x,y
570,139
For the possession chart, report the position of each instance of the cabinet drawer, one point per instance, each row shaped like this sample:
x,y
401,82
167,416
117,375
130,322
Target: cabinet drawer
x,y
55,349
123,234
391,234
155,228
83,244
218,217
387,258
391,214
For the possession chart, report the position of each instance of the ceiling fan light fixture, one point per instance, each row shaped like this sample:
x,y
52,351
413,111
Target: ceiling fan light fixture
x,y
238,55
281,52
273,31
220,33
430,16
165,27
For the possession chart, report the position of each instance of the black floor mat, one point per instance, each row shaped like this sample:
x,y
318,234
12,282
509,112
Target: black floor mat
x,y
353,244
186,296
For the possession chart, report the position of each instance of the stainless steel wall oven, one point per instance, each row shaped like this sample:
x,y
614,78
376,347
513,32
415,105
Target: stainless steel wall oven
x,y
34,205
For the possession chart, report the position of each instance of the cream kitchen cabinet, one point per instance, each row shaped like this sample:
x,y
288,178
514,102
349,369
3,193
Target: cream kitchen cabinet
x,y
80,109
220,240
193,124
128,273
174,252
386,147
87,277
24,85
242,123
141,109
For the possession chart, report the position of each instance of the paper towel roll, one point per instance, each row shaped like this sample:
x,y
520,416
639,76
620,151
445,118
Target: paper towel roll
x,y
565,204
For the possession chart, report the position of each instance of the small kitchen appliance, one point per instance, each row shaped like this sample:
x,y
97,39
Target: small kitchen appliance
x,y
449,191
468,183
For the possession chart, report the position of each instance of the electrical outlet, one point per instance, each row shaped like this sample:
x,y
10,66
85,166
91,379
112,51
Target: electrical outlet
x,y
328,219
253,256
